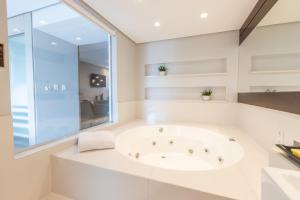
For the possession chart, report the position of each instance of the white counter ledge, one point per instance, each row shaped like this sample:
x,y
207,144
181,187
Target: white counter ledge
x,y
239,181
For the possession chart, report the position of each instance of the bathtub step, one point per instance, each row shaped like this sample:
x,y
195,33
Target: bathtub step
x,y
54,196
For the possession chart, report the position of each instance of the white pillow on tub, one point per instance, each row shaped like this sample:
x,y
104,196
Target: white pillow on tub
x,y
88,141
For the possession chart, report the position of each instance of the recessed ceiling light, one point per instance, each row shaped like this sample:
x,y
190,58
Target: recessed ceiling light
x,y
157,24
53,43
78,38
43,22
16,30
204,15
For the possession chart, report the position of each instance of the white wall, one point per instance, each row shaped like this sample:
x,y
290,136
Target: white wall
x,y
268,126
186,50
127,79
214,112
4,77
181,99
29,178
127,74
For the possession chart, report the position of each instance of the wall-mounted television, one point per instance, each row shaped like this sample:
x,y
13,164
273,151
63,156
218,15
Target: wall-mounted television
x,y
97,80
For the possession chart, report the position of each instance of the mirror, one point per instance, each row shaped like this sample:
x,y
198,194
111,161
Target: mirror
x,y
269,60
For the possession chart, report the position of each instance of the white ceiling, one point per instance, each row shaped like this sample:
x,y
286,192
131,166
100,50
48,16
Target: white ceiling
x,y
95,54
178,18
66,24
16,7
284,11
58,20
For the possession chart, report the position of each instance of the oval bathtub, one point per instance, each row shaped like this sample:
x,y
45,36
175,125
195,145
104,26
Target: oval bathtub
x,y
179,147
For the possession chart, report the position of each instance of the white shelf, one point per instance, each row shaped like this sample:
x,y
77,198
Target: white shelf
x,y
186,81
186,75
274,72
276,79
197,67
187,100
182,93
282,62
276,88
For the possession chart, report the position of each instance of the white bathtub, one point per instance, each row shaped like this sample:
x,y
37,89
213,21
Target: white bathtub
x,y
179,147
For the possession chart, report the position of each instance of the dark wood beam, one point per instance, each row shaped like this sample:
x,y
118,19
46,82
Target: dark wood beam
x,y
283,101
261,8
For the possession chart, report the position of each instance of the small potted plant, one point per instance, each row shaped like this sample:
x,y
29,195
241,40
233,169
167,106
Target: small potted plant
x,y
162,70
206,94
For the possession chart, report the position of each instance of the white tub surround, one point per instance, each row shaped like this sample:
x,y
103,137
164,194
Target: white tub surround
x,y
108,170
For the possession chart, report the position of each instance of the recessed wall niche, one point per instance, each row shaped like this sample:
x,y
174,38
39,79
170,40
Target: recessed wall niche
x,y
185,80
183,93
207,66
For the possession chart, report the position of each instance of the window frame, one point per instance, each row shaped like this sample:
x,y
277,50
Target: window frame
x,y
113,106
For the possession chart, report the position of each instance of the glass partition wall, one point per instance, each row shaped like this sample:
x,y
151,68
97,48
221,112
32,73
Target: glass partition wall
x,y
59,74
